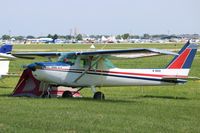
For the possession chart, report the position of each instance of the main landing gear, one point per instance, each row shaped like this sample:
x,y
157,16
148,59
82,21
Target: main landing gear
x,y
97,94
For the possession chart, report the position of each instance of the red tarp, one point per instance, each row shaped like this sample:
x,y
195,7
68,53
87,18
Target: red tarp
x,y
29,86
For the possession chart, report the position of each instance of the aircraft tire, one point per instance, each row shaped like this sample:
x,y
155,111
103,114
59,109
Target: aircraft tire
x,y
45,95
67,94
99,96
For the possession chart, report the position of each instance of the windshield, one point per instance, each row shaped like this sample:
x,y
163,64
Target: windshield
x,y
67,58
108,64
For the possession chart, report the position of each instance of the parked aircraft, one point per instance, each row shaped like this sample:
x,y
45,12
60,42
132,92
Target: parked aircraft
x,y
94,69
5,52
5,58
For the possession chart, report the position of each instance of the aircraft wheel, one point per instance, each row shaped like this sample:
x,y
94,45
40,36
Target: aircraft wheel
x,y
99,96
45,95
67,94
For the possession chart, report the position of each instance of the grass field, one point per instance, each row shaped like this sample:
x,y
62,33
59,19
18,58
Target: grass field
x,y
126,109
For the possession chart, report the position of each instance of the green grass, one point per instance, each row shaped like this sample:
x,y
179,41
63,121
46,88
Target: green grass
x,y
126,109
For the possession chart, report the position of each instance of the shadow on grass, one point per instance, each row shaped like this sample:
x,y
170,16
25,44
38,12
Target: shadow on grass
x,y
5,87
164,97
90,99
5,95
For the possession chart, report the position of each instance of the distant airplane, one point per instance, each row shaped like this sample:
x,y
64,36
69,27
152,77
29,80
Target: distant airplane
x,y
93,69
5,52
5,58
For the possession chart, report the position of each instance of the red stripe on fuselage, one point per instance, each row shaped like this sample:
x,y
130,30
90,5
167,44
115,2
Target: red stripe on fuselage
x,y
140,74
179,61
121,73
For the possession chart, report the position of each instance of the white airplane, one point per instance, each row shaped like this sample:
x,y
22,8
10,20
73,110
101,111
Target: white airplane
x,y
5,58
93,69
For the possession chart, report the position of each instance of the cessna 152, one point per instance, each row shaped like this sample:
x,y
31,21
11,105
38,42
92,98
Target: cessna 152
x,y
93,69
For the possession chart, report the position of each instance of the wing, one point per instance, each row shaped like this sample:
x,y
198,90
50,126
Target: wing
x,y
32,55
6,57
128,53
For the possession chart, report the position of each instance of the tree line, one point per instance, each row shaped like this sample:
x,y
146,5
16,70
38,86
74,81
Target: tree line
x,y
80,36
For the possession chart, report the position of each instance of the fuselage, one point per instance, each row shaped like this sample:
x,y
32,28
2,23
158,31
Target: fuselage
x,y
75,76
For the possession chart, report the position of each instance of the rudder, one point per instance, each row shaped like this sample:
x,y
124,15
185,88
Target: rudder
x,y
185,58
7,48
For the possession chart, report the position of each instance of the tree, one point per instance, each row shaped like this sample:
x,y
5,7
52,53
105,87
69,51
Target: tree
x,y
92,36
19,38
30,37
134,37
50,36
6,37
118,37
61,36
146,36
68,37
55,37
125,36
79,37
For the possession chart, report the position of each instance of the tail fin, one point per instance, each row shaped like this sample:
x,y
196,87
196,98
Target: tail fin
x,y
185,58
7,48
5,51
4,65
4,56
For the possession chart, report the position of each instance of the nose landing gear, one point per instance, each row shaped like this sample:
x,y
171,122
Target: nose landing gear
x,y
67,94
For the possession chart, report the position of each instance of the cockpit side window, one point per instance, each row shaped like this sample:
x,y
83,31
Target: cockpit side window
x,y
101,64
67,59
85,63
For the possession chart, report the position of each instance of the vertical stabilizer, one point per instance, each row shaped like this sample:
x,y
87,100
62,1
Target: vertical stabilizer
x,y
185,58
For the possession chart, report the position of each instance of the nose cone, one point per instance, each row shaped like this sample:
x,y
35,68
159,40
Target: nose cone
x,y
32,67
35,66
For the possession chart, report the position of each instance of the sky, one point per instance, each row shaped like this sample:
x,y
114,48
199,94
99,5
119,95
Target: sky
x,y
110,17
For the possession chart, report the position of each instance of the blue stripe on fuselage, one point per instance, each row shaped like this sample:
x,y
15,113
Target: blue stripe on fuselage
x,y
53,64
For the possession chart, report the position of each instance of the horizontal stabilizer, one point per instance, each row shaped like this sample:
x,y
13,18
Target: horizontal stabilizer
x,y
175,78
